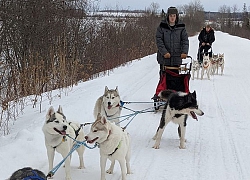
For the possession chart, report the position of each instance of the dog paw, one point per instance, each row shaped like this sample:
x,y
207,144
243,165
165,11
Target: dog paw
x,y
156,146
182,147
109,171
81,167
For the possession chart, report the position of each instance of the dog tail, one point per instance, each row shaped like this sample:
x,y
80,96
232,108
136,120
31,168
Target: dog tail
x,y
165,94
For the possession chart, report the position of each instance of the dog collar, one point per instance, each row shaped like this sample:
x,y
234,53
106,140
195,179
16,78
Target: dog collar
x,y
63,140
109,134
112,114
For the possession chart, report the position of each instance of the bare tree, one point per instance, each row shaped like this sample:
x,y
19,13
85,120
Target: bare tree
x,y
153,8
193,16
54,44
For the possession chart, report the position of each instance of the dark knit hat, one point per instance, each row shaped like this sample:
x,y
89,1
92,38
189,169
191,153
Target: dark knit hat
x,y
172,10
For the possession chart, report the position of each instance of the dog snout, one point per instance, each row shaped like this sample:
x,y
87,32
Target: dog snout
x,y
64,127
86,137
109,103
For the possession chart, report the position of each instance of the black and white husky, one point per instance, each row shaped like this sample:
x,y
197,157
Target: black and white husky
x,y
177,108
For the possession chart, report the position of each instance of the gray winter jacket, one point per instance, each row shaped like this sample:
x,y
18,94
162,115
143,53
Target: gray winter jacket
x,y
171,40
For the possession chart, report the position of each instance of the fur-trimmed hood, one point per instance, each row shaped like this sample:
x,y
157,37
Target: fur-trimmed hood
x,y
165,24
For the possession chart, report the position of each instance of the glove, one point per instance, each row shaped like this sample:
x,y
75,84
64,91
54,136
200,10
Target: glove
x,y
167,55
183,56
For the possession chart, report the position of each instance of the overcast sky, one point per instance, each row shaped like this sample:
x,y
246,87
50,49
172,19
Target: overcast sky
x,y
209,5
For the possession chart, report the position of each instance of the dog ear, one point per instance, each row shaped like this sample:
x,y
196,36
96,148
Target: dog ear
x,y
106,89
60,109
116,89
50,112
194,94
103,120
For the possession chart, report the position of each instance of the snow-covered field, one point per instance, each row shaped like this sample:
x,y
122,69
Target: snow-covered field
x,y
217,145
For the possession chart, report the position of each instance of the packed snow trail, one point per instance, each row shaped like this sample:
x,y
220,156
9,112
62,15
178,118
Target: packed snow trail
x,y
217,145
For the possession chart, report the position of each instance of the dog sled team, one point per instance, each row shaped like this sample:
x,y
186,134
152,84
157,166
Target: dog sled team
x,y
207,62
208,66
114,143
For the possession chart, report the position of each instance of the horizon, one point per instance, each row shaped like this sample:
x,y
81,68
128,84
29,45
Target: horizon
x,y
208,6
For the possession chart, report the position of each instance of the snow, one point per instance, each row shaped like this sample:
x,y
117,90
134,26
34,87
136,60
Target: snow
x,y
217,145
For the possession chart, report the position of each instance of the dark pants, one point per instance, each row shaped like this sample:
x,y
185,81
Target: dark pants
x,y
201,53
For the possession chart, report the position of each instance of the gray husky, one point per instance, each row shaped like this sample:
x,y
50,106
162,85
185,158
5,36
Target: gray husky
x,y
55,129
177,108
109,105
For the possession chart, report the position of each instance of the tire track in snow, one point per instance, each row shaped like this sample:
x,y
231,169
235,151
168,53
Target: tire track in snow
x,y
239,162
235,153
137,83
197,148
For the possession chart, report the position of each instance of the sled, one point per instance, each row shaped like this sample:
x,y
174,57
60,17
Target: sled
x,y
170,80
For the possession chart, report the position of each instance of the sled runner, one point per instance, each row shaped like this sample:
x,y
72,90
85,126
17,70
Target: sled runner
x,y
173,78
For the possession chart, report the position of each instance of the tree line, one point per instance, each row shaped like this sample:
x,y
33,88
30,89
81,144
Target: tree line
x,y
55,44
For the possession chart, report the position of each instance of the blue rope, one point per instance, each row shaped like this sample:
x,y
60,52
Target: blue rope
x,y
136,113
75,146
53,171
82,143
142,111
131,102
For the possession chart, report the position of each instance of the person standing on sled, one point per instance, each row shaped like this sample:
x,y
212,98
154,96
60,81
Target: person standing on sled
x,y
206,38
172,42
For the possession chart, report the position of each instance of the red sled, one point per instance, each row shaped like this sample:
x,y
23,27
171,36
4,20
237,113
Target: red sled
x,y
171,80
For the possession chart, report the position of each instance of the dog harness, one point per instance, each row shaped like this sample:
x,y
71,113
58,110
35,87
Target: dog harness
x,y
116,148
112,114
76,131
35,177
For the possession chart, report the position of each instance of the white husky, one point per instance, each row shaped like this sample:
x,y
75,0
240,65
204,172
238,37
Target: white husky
x,y
206,67
114,145
195,68
55,129
109,105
